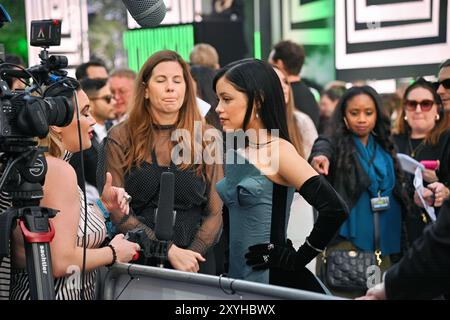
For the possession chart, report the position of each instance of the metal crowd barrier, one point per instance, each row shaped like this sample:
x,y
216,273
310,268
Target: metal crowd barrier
x,y
137,282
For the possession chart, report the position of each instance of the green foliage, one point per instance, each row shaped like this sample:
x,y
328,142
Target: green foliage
x,y
14,35
107,23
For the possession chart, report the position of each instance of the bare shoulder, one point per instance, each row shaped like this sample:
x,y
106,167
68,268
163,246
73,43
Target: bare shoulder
x,y
293,169
287,150
60,173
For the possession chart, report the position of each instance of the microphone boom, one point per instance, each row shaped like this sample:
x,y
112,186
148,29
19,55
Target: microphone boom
x,y
147,13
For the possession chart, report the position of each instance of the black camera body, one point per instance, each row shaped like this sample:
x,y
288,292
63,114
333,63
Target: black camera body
x,y
24,116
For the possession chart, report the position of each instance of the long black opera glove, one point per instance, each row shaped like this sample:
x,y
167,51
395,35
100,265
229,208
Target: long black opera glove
x,y
268,255
332,213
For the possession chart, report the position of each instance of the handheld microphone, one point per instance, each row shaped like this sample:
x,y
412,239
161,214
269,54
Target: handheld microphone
x,y
148,13
165,215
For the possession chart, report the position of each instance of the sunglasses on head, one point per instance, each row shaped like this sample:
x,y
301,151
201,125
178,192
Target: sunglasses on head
x,y
425,105
107,98
445,83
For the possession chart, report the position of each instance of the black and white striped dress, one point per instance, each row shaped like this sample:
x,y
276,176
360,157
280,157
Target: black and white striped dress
x,y
69,287
5,264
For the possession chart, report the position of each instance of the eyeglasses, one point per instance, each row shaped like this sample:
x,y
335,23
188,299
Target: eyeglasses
x,y
425,105
445,83
107,98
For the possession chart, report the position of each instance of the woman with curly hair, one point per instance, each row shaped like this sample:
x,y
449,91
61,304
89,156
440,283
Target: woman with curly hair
x,y
360,162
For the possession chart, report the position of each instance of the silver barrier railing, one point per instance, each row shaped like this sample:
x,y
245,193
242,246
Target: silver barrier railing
x,y
137,282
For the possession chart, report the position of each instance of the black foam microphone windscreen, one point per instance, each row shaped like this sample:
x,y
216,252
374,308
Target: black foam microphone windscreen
x,y
148,13
165,216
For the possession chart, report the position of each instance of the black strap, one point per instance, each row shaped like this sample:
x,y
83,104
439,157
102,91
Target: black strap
x,y
155,163
277,228
376,229
279,204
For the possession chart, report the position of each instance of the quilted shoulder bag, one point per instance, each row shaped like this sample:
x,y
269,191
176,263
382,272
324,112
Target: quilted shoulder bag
x,y
346,270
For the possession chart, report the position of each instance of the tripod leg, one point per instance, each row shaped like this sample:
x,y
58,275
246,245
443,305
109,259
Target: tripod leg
x,y
38,232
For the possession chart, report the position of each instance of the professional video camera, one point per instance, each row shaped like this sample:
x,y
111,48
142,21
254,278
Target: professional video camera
x,y
25,115
22,115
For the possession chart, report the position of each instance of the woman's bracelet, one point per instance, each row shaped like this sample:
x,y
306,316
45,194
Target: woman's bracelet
x,y
312,247
102,208
114,253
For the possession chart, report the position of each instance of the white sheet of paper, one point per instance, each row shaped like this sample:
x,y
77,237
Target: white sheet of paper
x,y
203,106
409,164
418,185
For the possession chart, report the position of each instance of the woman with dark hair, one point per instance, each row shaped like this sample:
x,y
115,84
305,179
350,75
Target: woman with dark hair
x,y
329,99
423,132
262,174
203,78
139,150
360,162
62,192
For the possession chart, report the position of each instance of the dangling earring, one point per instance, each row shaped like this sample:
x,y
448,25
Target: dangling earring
x,y
406,118
438,117
257,115
346,123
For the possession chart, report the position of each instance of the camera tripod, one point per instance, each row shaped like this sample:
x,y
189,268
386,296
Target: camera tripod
x,y
22,179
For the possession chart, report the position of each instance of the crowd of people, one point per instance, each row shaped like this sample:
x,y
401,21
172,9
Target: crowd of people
x,y
233,196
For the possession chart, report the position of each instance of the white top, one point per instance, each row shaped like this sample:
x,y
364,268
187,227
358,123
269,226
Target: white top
x,y
307,130
100,131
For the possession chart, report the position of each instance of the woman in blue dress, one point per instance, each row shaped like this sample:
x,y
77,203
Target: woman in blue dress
x,y
261,177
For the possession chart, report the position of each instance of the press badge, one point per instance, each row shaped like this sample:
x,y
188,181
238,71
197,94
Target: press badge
x,y
380,203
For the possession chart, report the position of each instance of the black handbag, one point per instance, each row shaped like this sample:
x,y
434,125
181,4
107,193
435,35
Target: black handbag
x,y
347,270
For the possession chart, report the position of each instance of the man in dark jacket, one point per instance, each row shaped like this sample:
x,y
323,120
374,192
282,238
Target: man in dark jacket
x,y
424,271
289,57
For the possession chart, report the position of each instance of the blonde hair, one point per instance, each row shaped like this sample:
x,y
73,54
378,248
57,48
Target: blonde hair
x,y
205,55
53,143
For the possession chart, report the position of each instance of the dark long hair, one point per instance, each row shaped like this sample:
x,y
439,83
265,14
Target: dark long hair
x,y
204,77
260,83
343,136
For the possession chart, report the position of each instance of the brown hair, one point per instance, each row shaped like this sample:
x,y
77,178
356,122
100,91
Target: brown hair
x,y
292,55
442,125
141,121
294,130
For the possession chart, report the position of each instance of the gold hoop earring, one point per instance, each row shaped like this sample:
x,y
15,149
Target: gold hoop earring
x,y
346,123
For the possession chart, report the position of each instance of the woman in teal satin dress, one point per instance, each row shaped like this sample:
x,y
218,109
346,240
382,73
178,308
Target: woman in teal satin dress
x,y
261,176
